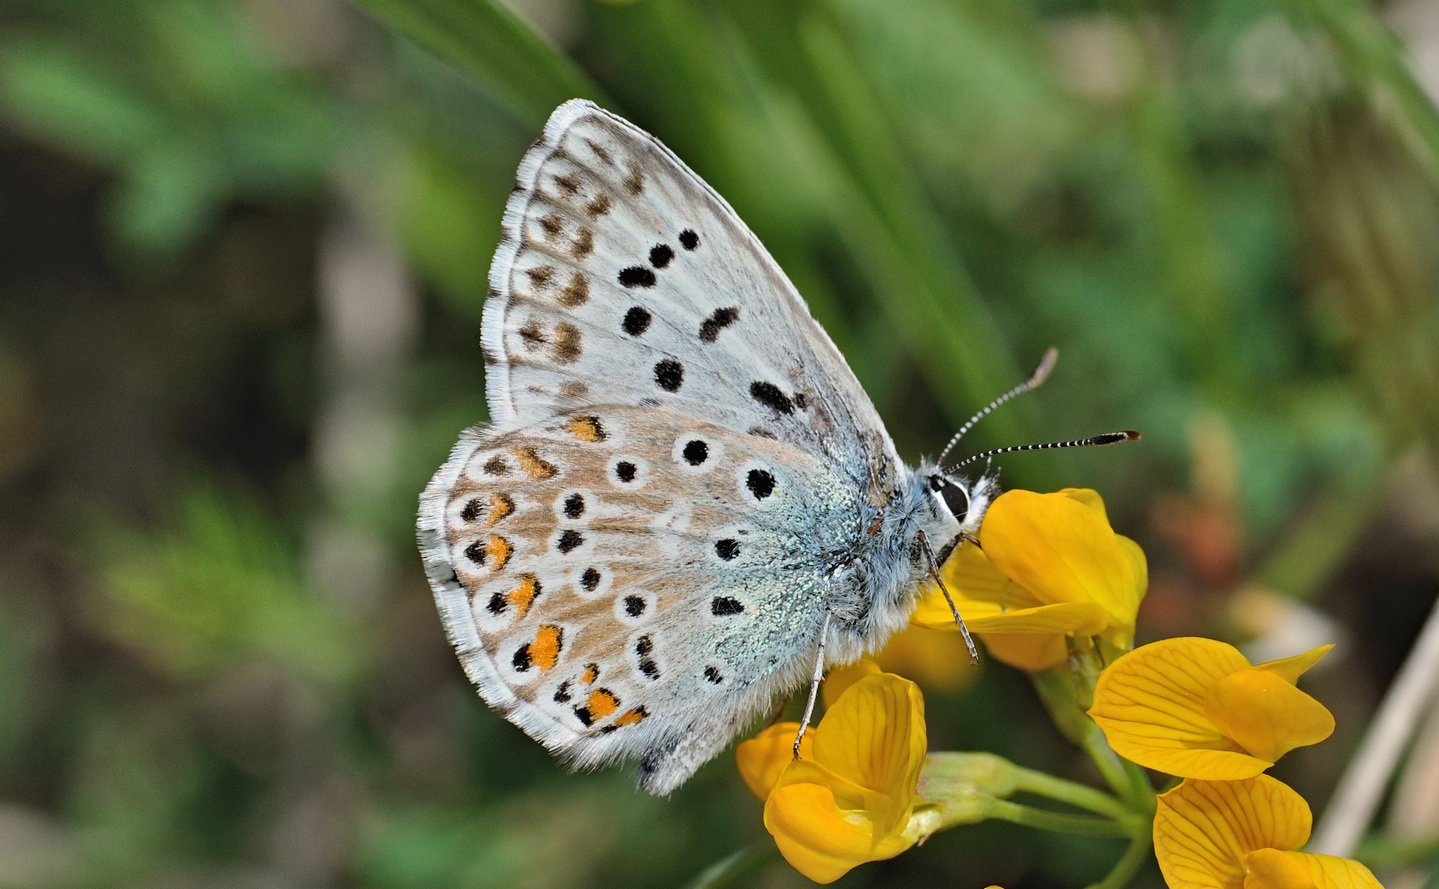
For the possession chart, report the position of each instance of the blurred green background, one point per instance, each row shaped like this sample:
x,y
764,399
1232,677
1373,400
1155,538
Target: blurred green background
x,y
243,247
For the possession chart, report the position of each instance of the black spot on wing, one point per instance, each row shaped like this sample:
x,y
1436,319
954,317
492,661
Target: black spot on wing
x,y
721,318
760,483
637,276
769,395
476,553
669,374
637,321
695,452
723,606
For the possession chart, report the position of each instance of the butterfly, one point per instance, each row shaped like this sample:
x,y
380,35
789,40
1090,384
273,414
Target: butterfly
x,y
684,506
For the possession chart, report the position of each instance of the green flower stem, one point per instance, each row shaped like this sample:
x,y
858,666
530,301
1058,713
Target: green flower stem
x,y
946,771
1082,825
1067,695
1128,864
1142,789
1074,794
1127,780
1110,765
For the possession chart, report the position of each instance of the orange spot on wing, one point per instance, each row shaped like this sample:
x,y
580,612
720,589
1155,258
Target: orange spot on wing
x,y
601,703
586,429
501,505
497,551
591,673
533,465
545,649
632,716
523,596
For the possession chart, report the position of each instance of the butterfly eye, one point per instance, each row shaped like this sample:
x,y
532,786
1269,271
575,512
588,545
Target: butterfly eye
x,y
956,498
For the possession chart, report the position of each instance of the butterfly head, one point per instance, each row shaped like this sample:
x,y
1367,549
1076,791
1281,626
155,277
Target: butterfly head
x,y
964,500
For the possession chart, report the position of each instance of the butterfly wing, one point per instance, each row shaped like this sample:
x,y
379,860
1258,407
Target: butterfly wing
x,y
601,571
623,278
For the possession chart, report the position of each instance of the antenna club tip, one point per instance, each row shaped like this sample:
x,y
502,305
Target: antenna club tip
x,y
1116,437
1046,364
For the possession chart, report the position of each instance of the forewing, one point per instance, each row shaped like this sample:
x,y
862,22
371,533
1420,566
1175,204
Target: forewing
x,y
627,582
623,278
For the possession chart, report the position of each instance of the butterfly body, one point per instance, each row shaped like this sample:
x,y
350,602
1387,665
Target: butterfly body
x,y
682,486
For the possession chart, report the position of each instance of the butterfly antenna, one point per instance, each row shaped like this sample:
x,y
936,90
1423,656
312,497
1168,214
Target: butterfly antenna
x,y
1046,364
1094,441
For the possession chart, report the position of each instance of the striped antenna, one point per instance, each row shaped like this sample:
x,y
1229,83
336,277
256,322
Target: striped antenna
x,y
1046,364
1095,441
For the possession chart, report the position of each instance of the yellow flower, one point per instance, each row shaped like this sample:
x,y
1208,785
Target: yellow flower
x,y
762,758
1048,567
1195,708
1232,834
929,657
852,798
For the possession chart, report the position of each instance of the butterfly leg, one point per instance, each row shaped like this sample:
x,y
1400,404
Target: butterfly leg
x,y
814,681
934,573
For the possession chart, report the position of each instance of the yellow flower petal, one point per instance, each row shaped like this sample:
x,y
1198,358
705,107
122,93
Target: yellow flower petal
x,y
1195,708
1203,829
762,758
854,800
969,576
1273,869
1078,618
1150,705
838,680
1266,715
1065,618
817,837
937,660
1090,498
1060,550
1291,668
875,737
1026,651
1121,634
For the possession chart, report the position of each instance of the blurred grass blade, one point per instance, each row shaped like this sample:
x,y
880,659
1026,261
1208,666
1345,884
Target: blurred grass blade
x,y
737,869
1373,55
518,67
944,293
